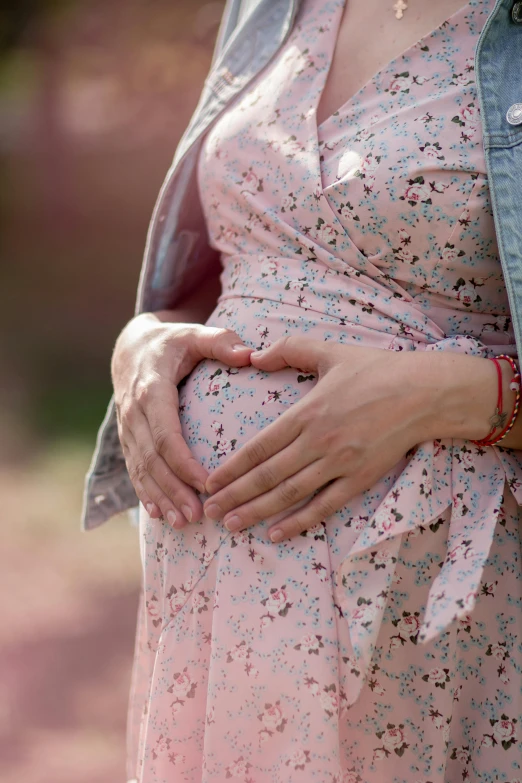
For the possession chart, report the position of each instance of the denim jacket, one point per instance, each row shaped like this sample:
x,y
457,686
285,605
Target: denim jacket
x,y
177,248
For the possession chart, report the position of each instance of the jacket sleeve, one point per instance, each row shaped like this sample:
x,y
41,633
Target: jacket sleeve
x,y
108,489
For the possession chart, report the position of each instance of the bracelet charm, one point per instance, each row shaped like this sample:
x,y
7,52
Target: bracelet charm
x,y
498,420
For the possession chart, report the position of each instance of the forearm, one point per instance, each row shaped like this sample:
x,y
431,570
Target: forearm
x,y
461,392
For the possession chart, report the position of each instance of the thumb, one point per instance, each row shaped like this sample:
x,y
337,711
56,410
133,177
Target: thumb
x,y
299,352
223,345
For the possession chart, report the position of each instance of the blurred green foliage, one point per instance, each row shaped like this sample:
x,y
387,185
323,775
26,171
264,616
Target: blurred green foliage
x,y
93,99
70,410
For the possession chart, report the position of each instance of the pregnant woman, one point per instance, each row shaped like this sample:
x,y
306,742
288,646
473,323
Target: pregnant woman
x,y
342,600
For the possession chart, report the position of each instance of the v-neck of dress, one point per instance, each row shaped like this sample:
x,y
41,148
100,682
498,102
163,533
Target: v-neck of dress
x,y
360,259
382,70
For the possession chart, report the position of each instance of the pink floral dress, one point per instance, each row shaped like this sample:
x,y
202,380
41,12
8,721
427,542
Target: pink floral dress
x,y
385,643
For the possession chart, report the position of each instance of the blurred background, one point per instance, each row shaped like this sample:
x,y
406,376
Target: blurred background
x,y
94,95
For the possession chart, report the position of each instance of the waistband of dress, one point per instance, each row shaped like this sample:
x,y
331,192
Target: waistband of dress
x,y
385,333
351,299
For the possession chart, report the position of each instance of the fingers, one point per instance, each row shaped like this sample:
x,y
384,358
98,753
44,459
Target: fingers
x,y
163,439
160,404
327,502
177,502
159,461
299,352
285,495
223,345
143,496
259,481
272,439
153,510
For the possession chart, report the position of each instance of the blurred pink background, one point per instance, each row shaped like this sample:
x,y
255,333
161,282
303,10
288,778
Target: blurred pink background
x,y
93,99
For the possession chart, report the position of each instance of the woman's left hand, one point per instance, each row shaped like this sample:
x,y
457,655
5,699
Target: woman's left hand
x,y
368,408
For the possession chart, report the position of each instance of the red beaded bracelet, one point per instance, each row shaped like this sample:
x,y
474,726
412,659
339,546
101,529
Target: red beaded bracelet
x,y
499,416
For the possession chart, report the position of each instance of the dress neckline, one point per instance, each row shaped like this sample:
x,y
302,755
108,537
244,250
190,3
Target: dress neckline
x,y
381,70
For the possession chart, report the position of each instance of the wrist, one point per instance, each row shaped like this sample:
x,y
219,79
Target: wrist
x,y
140,328
460,394
504,420
140,337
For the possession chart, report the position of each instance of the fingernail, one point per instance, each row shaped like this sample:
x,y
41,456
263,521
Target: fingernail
x,y
234,523
214,511
276,535
187,512
200,487
171,516
239,347
149,508
255,354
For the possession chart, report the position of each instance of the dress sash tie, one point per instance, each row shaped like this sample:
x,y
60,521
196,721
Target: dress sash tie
x,y
440,470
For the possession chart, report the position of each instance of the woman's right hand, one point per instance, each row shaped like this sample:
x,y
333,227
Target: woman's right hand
x,y
150,358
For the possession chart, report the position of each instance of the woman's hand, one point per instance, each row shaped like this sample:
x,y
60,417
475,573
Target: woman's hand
x,y
368,408
150,358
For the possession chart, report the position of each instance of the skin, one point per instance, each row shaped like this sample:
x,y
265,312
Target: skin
x,y
319,441
359,57
368,408
152,354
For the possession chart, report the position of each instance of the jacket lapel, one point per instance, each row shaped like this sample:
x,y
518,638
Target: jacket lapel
x,y
244,51
262,29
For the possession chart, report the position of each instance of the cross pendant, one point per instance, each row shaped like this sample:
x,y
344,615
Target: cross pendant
x,y
399,7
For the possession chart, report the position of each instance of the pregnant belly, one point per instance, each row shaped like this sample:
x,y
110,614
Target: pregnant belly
x,y
222,407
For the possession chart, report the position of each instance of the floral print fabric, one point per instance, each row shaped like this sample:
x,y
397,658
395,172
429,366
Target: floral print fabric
x,y
384,643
